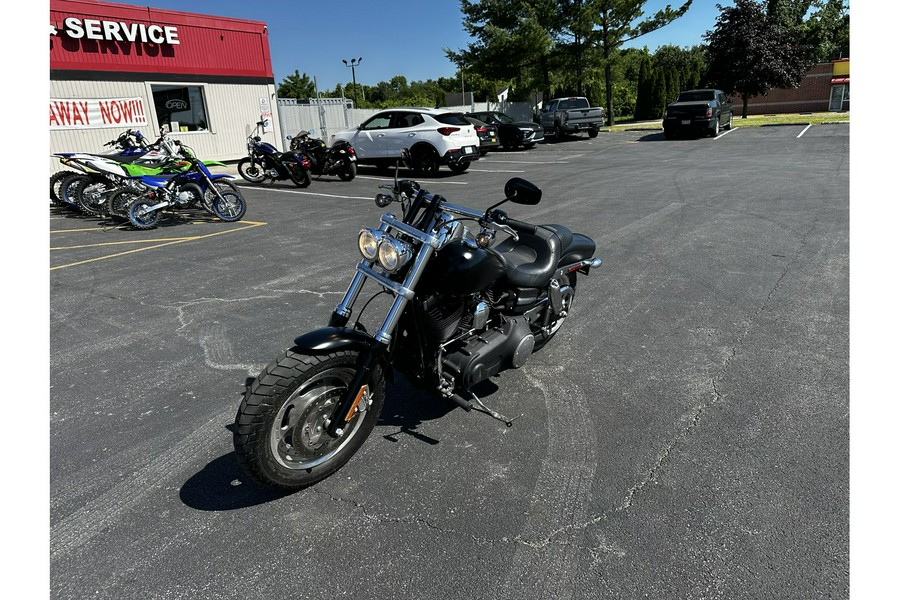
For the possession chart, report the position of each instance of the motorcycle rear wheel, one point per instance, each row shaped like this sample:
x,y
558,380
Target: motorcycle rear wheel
x,y
251,170
542,338
140,217
300,177
92,194
279,434
55,181
349,172
67,191
119,202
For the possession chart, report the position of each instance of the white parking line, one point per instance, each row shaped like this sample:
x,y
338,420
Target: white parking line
x,y
724,133
804,130
266,189
493,171
392,180
531,162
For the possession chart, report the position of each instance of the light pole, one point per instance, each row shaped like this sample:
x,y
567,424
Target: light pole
x,y
353,64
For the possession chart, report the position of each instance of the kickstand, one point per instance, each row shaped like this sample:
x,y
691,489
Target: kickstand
x,y
482,407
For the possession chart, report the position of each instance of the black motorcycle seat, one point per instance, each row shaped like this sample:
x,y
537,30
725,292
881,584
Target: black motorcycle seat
x,y
531,261
575,246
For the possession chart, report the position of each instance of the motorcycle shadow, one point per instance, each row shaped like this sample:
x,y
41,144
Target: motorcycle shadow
x,y
221,485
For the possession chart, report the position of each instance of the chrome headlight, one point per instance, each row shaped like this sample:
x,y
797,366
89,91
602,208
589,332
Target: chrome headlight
x,y
393,254
368,242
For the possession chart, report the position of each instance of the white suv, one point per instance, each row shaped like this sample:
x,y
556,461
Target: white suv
x,y
434,137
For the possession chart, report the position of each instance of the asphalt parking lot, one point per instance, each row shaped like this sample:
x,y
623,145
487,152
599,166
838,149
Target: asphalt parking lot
x,y
684,436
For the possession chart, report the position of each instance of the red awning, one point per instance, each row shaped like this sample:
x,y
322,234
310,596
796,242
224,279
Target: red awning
x,y
840,80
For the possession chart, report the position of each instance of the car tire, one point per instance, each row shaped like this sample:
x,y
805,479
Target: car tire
x,y
714,130
593,133
459,167
730,122
669,135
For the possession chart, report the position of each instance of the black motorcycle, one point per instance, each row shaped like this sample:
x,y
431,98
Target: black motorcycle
x,y
465,307
338,160
265,163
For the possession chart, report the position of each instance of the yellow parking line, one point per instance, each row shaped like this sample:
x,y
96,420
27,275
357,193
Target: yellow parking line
x,y
97,245
247,225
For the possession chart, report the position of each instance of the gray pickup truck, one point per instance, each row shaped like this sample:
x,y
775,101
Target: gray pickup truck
x,y
698,112
563,116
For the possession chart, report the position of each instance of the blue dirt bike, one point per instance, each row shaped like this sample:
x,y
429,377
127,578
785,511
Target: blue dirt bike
x,y
193,188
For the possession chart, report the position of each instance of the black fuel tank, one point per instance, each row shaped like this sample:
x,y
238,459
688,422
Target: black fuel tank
x,y
458,269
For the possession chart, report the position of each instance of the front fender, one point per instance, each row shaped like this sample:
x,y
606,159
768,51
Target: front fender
x,y
332,339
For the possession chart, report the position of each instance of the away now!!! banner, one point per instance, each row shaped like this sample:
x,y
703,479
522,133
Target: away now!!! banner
x,y
82,114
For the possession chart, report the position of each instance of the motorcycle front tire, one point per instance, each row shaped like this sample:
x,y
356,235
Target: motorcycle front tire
x,y
251,170
279,433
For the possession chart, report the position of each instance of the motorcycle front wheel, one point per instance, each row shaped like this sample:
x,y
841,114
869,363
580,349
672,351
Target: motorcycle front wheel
x,y
230,207
251,170
280,436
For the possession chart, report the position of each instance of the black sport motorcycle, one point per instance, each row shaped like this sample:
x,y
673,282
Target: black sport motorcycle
x,y
265,163
465,307
338,160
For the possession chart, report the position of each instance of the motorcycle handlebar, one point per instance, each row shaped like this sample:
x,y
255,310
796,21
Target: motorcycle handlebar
x,y
522,226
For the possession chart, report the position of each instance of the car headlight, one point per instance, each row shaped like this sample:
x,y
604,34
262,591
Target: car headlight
x,y
393,254
368,242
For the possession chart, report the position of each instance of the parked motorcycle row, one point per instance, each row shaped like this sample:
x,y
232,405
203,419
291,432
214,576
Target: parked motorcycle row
x,y
137,181
306,157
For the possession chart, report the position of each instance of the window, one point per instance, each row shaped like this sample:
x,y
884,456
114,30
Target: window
x,y
451,119
380,121
573,103
408,120
180,107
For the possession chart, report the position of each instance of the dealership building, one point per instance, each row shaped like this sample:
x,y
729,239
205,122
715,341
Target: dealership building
x,y
115,67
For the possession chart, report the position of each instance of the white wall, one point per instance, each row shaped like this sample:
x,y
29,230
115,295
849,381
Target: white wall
x,y
233,111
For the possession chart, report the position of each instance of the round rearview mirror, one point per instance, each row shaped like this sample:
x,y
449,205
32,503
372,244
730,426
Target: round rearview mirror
x,y
383,200
520,191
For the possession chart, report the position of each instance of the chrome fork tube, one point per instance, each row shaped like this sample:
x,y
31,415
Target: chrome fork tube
x,y
383,335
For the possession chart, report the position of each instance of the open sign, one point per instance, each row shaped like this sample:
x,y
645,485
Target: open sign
x,y
176,104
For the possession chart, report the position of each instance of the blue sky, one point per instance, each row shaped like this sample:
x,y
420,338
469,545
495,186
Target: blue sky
x,y
393,37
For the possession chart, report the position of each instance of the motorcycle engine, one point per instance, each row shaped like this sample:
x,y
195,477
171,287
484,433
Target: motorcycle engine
x,y
481,355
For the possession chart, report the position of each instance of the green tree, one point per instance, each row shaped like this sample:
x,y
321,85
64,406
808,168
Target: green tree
x,y
512,41
619,21
297,86
751,52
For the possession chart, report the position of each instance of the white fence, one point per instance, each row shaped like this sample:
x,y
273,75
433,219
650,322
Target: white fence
x,y
329,117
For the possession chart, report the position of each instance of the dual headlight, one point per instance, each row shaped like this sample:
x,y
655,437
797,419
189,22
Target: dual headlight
x,y
391,253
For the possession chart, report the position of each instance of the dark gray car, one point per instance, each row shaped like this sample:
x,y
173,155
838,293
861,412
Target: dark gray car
x,y
512,133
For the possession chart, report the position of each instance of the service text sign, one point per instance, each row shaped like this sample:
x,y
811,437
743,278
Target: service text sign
x,y
89,113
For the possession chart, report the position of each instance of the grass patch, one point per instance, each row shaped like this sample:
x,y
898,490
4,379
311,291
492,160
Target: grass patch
x,y
751,121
